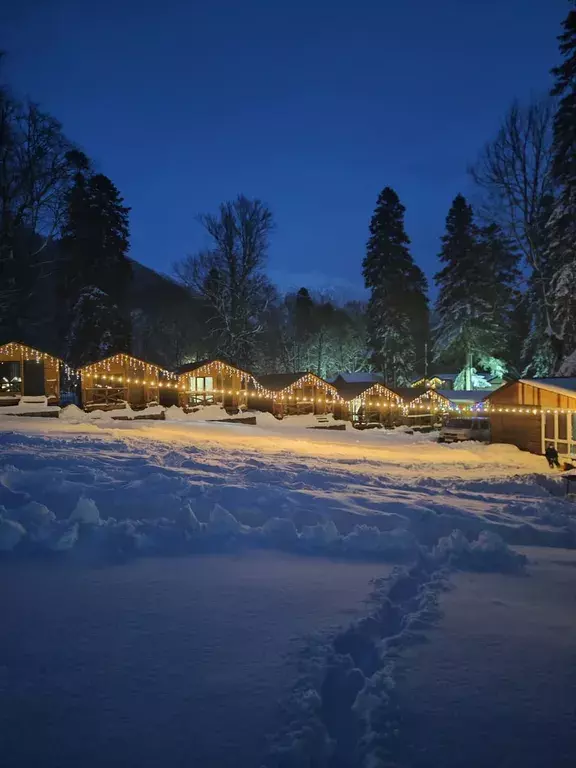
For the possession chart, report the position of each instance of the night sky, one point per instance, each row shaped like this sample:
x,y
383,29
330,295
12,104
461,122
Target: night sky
x,y
313,106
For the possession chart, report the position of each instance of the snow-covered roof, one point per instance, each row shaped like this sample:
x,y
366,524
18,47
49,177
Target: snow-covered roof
x,y
466,395
359,377
446,376
563,385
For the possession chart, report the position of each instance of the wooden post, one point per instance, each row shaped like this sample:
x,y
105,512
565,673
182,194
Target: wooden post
x,y
21,372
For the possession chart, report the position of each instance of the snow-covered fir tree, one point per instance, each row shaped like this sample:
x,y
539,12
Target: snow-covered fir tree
x,y
398,307
562,225
476,291
95,271
96,328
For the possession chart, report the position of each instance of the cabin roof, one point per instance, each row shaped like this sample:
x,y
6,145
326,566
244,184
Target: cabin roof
x,y
35,350
191,367
562,385
358,377
125,354
465,395
350,391
277,382
408,394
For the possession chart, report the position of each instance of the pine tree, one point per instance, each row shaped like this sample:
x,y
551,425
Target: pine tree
x,y
499,275
398,307
562,223
96,272
475,289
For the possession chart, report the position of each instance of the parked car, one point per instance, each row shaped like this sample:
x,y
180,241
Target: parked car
x,y
460,428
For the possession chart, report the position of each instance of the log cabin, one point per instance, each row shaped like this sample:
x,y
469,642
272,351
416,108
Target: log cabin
x,y
366,403
294,393
122,380
28,372
535,413
214,381
423,406
436,381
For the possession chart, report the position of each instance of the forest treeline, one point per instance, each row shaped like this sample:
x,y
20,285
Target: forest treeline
x,y
505,285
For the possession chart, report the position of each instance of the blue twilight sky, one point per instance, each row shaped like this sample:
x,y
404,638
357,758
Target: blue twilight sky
x,y
313,106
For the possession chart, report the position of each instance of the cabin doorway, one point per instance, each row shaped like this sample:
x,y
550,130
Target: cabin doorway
x,y
33,378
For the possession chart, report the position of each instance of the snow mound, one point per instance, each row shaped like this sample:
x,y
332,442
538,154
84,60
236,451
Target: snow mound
x,y
488,553
365,539
301,421
202,413
323,535
281,532
85,512
223,523
11,533
74,415
29,405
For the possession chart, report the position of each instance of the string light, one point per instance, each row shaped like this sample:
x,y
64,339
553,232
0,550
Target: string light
x,y
155,377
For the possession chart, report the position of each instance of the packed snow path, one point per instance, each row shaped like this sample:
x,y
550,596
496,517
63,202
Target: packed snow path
x,y
146,470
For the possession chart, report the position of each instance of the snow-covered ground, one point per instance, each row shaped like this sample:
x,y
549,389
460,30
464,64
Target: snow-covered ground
x,y
494,686
159,662
188,486
388,479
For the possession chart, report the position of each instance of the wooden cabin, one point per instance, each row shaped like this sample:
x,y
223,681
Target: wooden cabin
x,y
423,406
436,381
535,413
122,380
214,381
366,403
28,372
294,393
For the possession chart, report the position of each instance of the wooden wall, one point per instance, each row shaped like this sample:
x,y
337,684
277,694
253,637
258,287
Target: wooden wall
x,y
98,392
229,386
520,429
289,405
51,372
371,411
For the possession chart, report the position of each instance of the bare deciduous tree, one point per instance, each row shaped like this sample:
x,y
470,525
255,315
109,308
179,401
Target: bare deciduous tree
x,y
514,173
230,276
36,168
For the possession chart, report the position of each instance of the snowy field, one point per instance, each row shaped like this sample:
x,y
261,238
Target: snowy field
x,y
496,681
388,479
159,662
275,531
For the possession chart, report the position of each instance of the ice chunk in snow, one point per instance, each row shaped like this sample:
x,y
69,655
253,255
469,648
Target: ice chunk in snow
x,y
222,523
11,533
368,539
63,536
280,531
187,519
85,512
321,535
33,515
488,553
456,544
